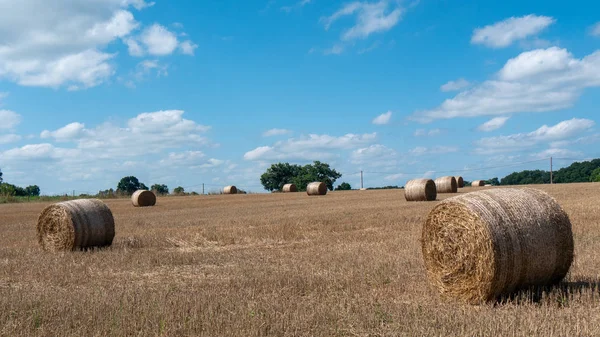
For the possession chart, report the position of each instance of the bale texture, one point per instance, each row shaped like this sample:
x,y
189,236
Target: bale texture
x,y
478,183
316,188
289,188
446,185
484,245
143,198
460,182
230,190
420,190
77,224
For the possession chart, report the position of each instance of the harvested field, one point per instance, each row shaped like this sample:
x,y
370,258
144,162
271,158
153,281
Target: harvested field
x,y
276,264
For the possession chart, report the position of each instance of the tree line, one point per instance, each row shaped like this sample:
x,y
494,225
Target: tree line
x,y
285,173
579,172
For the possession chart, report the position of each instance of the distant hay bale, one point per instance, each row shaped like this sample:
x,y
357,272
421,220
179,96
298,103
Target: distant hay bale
x,y
460,182
363,189
289,188
446,185
143,198
75,224
230,190
420,190
316,188
484,245
478,183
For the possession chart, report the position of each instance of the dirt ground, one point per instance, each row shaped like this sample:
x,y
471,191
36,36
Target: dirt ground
x,y
346,264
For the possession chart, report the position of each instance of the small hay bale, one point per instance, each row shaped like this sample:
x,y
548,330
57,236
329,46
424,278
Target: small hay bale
x,y
76,224
289,188
420,190
460,182
484,245
478,183
230,190
143,198
316,188
446,185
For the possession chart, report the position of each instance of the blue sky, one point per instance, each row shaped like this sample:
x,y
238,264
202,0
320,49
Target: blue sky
x,y
213,92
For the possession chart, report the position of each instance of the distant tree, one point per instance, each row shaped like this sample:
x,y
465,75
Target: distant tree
x,y
179,190
7,189
1,177
130,184
32,191
316,172
278,175
493,182
343,187
595,176
160,189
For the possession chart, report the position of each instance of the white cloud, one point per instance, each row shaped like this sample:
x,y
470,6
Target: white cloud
x,y
421,150
375,155
9,119
134,48
276,132
504,33
370,18
9,138
39,151
459,84
383,119
188,47
493,124
534,81
66,133
159,40
430,133
311,147
186,158
545,134
595,29
556,152
335,50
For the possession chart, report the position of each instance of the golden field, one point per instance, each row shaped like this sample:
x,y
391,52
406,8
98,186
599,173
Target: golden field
x,y
346,264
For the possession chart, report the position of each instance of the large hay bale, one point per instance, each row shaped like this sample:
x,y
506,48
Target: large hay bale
x,y
460,182
484,245
289,188
143,198
420,190
478,183
75,224
230,190
316,188
446,185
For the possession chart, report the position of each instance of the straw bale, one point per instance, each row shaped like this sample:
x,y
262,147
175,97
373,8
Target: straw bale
x,y
446,185
420,190
143,198
460,182
230,190
288,188
316,188
478,183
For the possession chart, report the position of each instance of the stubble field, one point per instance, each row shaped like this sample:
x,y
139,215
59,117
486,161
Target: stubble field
x,y
346,264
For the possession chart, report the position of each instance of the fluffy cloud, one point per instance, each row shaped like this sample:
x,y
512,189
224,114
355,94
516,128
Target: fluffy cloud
x,y
383,118
375,153
504,33
370,18
43,151
276,132
545,134
9,138
66,133
159,40
422,151
9,119
534,81
190,159
311,147
493,124
595,29
430,133
457,85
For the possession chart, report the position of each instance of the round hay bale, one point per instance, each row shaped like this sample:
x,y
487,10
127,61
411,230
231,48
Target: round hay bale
x,y
143,198
289,188
230,190
484,245
316,188
478,183
460,182
76,224
420,190
446,185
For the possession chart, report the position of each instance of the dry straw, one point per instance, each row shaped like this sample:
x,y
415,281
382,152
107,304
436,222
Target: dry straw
x,y
446,185
287,188
76,224
316,188
484,245
230,190
478,183
143,198
460,182
420,190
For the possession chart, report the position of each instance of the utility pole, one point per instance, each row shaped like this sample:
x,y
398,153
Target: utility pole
x,y
551,173
361,179
202,188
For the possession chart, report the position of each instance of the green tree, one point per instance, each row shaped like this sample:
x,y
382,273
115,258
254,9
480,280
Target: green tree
x,y
7,189
160,189
179,190
595,176
278,175
284,173
343,187
1,177
321,172
32,191
493,182
130,184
